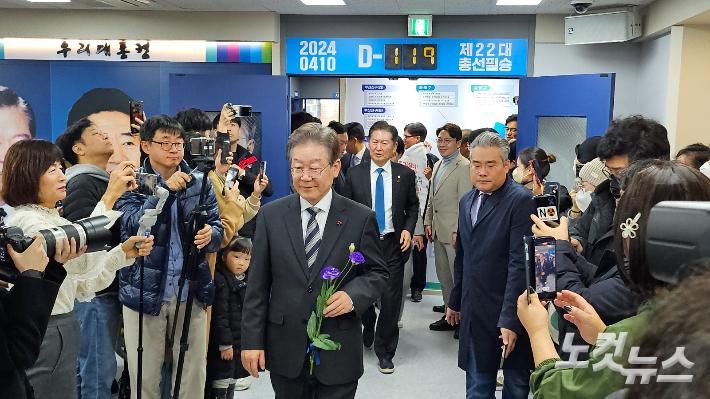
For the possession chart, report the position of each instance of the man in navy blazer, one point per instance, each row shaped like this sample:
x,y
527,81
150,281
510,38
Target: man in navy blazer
x,y
489,274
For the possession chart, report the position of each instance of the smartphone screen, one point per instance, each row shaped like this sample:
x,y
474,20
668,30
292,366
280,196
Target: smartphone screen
x,y
545,268
147,184
262,169
232,174
136,111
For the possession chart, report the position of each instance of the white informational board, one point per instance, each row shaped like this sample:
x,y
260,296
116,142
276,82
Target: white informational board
x,y
469,103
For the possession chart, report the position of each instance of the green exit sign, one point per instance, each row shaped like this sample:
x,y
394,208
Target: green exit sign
x,y
419,25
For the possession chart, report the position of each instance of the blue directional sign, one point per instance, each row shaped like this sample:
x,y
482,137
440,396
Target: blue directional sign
x,y
407,57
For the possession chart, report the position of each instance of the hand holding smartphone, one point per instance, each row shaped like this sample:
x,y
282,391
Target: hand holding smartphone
x,y
136,112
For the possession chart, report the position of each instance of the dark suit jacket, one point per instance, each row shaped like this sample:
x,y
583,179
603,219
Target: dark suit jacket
x,y
489,275
339,183
281,294
24,315
405,203
347,157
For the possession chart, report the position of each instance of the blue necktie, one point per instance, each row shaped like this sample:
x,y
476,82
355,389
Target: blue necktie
x,y
380,200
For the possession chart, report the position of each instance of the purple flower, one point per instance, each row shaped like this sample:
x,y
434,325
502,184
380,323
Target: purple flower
x,y
357,258
329,273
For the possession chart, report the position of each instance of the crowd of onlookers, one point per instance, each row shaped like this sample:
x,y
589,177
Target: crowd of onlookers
x,y
472,202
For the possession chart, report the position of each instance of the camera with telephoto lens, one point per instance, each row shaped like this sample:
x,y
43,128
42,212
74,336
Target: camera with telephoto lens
x,y
92,231
240,110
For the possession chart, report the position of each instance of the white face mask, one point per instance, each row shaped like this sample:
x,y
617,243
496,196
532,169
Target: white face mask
x,y
583,200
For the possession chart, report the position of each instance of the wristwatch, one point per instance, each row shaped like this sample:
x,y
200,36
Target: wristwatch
x,y
32,273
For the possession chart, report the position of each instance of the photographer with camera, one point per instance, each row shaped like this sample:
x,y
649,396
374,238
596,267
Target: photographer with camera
x,y
246,163
33,182
163,140
24,313
88,148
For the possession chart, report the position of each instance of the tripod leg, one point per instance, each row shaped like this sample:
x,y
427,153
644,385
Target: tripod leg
x,y
139,377
183,340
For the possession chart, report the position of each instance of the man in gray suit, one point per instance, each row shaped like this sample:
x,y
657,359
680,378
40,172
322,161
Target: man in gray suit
x,y
296,237
450,182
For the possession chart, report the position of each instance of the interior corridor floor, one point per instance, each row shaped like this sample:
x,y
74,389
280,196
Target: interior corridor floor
x,y
425,363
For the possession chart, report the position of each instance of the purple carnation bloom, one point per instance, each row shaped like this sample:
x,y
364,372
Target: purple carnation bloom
x,y
357,258
329,273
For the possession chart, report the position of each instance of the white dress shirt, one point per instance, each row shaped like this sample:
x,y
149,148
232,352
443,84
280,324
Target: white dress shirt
x,y
321,217
358,157
387,178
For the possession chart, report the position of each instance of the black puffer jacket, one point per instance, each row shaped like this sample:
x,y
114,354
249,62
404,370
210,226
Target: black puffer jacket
x,y
601,286
226,325
594,229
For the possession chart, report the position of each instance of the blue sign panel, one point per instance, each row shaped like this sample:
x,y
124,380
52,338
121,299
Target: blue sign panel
x,y
407,57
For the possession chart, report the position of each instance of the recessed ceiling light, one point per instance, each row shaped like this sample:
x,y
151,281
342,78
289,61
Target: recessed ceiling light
x,y
323,2
518,2
49,1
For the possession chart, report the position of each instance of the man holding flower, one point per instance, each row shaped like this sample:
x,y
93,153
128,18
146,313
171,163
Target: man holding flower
x,y
307,287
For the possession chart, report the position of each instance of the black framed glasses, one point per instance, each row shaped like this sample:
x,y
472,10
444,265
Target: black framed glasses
x,y
166,146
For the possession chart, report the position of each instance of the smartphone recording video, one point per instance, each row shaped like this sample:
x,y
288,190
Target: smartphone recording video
x,y
262,169
147,184
545,267
232,175
136,111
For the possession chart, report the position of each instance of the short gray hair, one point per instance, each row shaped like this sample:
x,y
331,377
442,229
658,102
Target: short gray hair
x,y
490,139
314,133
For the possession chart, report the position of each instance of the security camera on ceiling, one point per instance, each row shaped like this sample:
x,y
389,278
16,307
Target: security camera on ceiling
x,y
580,7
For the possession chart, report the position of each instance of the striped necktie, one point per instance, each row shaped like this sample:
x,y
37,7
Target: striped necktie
x,y
313,237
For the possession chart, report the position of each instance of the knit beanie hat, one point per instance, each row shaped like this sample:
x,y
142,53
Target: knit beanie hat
x,y
592,172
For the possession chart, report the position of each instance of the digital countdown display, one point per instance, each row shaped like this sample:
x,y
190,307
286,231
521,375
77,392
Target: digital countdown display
x,y
402,57
410,56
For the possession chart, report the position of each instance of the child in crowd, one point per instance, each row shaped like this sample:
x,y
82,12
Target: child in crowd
x,y
225,372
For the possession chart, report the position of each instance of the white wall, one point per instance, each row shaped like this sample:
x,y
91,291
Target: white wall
x,y
653,77
620,58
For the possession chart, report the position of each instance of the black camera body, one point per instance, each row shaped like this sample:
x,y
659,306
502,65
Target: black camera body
x,y
202,147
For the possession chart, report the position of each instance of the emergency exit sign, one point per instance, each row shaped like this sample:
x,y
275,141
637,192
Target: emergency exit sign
x,y
419,25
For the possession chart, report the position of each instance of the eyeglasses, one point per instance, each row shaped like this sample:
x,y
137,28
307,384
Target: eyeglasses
x,y
408,137
445,141
618,172
166,146
487,167
313,173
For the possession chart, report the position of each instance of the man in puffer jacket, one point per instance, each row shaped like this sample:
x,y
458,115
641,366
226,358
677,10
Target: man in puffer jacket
x,y
163,139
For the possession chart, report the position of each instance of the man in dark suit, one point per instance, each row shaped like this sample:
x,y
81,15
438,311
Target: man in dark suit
x,y
489,274
342,134
391,190
296,237
356,150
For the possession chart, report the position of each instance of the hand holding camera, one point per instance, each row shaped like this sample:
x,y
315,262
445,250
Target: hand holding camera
x,y
66,251
33,258
178,181
121,180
